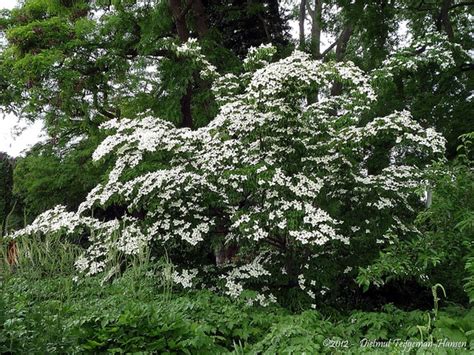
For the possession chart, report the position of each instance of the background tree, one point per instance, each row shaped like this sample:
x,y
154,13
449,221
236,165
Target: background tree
x,y
76,64
6,194
368,33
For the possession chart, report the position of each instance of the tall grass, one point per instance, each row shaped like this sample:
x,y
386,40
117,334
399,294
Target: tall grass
x,y
46,256
52,255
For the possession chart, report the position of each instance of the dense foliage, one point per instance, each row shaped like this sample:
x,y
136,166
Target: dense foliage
x,y
135,313
202,165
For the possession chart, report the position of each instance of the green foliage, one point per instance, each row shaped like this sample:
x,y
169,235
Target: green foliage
x,y
297,334
131,314
39,35
440,254
469,280
455,324
44,309
48,176
389,323
78,63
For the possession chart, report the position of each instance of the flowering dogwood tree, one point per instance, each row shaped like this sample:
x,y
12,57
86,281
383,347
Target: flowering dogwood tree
x,y
293,184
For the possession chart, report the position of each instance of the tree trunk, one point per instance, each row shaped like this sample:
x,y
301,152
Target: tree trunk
x,y
340,53
443,20
302,17
179,16
179,10
186,113
316,17
200,18
315,42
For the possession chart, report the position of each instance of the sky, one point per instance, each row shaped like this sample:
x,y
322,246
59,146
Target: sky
x,y
16,135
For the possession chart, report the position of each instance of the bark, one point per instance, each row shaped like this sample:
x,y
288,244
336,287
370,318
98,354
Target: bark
x,y
266,29
179,17
225,254
316,17
443,20
186,113
315,42
342,44
302,16
179,10
340,53
200,17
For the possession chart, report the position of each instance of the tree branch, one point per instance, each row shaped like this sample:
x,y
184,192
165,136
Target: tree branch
x,y
328,49
199,11
444,21
344,36
275,242
467,3
100,109
310,10
467,66
302,16
179,20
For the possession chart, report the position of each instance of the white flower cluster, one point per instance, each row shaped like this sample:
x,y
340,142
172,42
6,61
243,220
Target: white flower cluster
x,y
132,240
286,80
259,56
191,49
433,48
60,220
236,278
185,277
270,169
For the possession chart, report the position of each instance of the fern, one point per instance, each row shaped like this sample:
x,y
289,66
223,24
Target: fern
x,y
469,285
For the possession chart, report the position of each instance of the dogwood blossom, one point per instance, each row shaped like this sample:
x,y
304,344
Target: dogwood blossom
x,y
271,170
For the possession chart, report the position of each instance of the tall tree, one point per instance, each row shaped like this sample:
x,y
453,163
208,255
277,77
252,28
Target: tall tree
x,y
6,191
77,64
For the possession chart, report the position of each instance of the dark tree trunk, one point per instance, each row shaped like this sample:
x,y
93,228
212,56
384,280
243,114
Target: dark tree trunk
x,y
316,15
443,20
179,10
340,53
186,114
302,17
200,17
179,16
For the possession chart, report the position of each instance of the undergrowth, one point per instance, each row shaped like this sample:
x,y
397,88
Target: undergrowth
x,y
133,313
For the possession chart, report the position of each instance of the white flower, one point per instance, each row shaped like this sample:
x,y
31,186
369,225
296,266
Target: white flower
x,y
185,278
